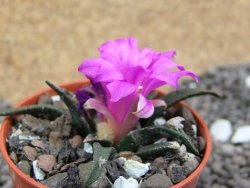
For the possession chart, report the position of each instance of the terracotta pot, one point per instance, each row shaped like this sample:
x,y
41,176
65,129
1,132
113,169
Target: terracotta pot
x,y
21,180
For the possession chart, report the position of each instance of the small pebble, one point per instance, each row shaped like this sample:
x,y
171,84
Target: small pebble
x,y
221,130
135,169
241,135
38,143
46,162
76,141
25,167
30,152
157,180
122,182
39,174
88,148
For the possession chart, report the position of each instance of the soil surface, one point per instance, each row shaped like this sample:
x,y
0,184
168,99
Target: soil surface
x,y
52,152
47,40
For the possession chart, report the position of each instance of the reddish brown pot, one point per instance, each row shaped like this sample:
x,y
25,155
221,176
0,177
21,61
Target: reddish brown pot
x,y
21,180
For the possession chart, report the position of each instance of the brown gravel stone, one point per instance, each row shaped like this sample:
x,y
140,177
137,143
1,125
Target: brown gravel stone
x,y
126,154
30,152
46,162
76,141
55,138
157,180
38,143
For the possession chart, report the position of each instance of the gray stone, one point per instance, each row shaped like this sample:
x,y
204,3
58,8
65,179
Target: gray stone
x,y
39,126
157,180
177,173
54,181
101,182
191,164
201,144
239,160
25,167
45,99
227,149
83,169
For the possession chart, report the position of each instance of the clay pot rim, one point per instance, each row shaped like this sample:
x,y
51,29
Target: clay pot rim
x,y
74,85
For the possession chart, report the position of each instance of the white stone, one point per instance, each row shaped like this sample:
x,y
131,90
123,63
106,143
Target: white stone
x,y
39,174
182,150
241,135
188,156
247,81
88,148
122,160
23,137
192,85
56,98
16,133
221,130
194,127
161,140
174,145
122,182
159,121
176,122
135,169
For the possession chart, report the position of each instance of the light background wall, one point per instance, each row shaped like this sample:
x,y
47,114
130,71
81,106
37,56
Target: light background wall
x,y
46,40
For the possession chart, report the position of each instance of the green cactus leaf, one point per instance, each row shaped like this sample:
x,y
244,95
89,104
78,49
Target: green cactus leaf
x,y
182,94
78,121
179,134
98,165
155,150
35,110
148,135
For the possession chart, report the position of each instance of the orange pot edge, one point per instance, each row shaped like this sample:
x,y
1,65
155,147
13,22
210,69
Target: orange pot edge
x,y
21,180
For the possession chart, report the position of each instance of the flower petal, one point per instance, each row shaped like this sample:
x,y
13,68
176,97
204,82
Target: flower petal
x,y
99,70
121,53
96,105
120,89
145,107
136,75
172,78
146,58
82,96
100,107
90,67
158,103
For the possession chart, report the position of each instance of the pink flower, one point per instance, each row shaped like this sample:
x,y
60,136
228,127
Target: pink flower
x,y
126,76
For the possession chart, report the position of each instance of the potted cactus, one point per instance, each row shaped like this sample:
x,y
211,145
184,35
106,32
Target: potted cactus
x,y
112,130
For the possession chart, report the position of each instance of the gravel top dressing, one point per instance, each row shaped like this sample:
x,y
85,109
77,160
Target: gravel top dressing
x,y
229,123
228,166
51,152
